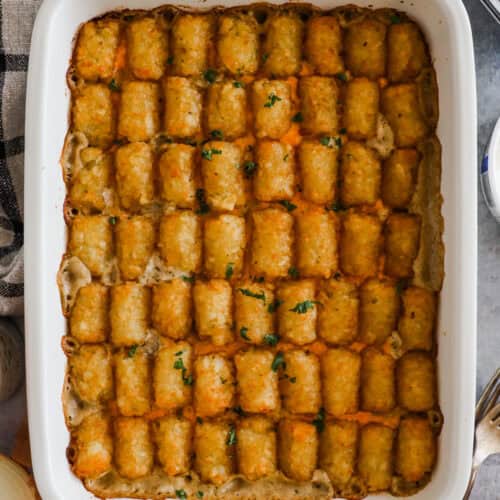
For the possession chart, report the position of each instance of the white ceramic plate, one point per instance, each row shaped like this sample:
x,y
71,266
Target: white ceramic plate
x,y
447,29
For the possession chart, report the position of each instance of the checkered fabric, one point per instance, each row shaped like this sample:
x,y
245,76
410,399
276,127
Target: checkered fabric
x,y
16,22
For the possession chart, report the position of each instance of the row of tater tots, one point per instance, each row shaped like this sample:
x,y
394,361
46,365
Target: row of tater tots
x,y
320,172
258,380
176,109
231,43
299,311
255,447
315,243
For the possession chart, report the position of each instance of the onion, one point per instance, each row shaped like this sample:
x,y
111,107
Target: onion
x,y
15,482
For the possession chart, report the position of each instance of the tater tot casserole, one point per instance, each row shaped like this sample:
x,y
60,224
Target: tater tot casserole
x,y
254,254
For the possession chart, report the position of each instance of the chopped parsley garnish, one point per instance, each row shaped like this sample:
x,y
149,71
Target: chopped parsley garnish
x,y
249,293
395,19
216,134
288,205
210,75
208,153
131,352
258,279
178,353
319,420
265,57
113,220
238,84
179,365
303,307
244,333
343,131
285,158
113,85
271,339
229,270
272,99
249,167
231,437
199,420
274,305
170,60
342,77
331,142
293,272
335,207
222,380
188,279
292,380
199,494
202,202
337,276
297,118
278,361
181,494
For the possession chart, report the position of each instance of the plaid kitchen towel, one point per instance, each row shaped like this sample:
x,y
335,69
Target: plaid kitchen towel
x,y
16,23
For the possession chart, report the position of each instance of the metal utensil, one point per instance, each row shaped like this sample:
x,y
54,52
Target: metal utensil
x,y
487,441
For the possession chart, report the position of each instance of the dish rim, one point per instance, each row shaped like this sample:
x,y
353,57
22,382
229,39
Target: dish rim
x,y
39,199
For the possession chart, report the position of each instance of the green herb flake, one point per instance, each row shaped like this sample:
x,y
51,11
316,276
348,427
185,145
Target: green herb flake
x,y
343,131
342,77
238,84
199,420
278,361
249,293
217,134
288,205
319,420
297,118
337,276
114,86
265,57
293,380
131,352
170,60
249,168
335,207
239,411
208,153
229,270
188,279
271,339
179,365
244,333
331,142
113,220
293,272
222,380
272,99
285,158
179,353
181,494
274,305
303,307
258,279
210,75
395,19
202,202
231,437
199,494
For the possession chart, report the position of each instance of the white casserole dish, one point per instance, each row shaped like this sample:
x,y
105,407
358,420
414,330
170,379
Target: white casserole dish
x,y
448,32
